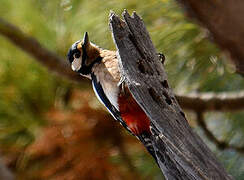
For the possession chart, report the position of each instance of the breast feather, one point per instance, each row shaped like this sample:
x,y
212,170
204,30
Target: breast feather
x,y
108,76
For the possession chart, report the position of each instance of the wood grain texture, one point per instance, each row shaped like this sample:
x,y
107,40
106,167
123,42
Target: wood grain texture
x,y
181,153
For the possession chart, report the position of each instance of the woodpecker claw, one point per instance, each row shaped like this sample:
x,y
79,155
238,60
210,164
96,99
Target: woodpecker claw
x,y
121,81
121,85
161,57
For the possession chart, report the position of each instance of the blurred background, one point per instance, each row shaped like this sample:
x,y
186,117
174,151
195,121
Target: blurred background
x,y
54,128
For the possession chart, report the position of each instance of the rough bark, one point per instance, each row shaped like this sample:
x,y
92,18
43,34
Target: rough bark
x,y
224,19
180,152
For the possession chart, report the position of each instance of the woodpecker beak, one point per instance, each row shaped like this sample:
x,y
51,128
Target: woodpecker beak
x,y
76,64
86,40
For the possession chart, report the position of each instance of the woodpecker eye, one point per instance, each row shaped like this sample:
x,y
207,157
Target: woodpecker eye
x,y
77,55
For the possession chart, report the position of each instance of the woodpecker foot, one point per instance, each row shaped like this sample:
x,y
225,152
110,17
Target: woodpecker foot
x,y
121,84
161,57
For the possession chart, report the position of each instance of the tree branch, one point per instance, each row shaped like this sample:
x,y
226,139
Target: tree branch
x,y
31,46
220,144
181,154
212,101
224,19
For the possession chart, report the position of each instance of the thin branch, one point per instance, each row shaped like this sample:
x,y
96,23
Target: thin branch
x,y
212,101
195,102
220,144
31,46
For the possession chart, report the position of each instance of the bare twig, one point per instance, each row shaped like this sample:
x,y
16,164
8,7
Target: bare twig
x,y
35,49
212,101
220,144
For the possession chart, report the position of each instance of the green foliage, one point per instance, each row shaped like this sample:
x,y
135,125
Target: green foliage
x,y
28,90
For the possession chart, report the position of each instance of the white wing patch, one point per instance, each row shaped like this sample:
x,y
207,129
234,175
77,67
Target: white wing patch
x,y
99,91
99,98
112,95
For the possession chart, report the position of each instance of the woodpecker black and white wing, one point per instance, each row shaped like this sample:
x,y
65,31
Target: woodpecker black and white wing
x,y
98,89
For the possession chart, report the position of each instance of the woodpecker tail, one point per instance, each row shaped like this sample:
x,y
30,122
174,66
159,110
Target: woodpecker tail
x,y
145,138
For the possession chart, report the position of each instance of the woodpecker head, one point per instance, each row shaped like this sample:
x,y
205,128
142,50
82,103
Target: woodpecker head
x,y
83,55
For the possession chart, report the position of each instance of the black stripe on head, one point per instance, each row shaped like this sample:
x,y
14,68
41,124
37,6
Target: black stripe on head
x,y
84,56
72,51
85,70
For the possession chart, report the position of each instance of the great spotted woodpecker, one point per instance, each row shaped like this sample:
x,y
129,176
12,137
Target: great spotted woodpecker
x,y
101,66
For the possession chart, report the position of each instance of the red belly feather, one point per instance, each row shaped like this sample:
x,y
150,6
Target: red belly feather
x,y
133,115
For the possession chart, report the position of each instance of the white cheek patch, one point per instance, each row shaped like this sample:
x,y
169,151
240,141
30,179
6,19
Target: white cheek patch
x,y
76,64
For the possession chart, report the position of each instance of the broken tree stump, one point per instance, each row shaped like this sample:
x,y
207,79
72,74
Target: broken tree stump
x,y
180,151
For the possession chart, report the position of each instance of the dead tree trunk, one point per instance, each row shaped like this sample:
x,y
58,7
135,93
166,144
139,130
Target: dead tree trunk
x,y
181,153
